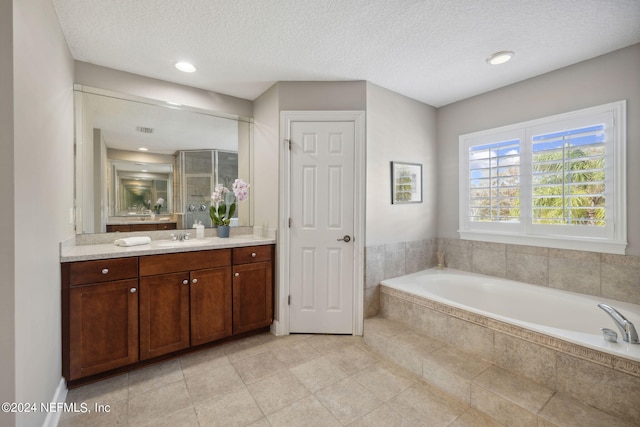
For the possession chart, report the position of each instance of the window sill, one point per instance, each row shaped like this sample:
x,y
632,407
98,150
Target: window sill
x,y
559,242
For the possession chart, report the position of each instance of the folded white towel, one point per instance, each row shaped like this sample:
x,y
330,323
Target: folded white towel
x,y
133,241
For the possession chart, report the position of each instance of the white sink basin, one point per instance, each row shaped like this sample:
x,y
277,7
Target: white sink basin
x,y
181,243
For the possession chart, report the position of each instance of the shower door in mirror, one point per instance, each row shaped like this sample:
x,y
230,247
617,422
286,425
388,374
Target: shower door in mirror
x,y
200,171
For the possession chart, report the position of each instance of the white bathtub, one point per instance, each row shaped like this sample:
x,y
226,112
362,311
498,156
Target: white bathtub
x,y
568,316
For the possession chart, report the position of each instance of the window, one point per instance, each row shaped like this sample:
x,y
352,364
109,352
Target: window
x,y
556,182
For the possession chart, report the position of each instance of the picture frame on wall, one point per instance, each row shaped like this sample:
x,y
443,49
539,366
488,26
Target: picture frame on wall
x,y
406,182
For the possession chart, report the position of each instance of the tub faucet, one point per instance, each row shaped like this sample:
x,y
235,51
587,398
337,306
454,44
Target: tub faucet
x,y
626,328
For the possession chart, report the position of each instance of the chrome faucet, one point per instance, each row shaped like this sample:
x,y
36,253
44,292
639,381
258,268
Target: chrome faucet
x,y
626,328
180,236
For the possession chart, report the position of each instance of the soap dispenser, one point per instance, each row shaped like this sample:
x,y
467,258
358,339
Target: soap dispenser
x,y
199,230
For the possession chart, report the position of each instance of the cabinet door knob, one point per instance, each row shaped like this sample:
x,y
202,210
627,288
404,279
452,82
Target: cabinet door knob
x,y
105,270
194,281
253,254
185,282
237,274
133,290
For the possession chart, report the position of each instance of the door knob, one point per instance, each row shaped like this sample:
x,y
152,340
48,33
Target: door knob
x,y
345,239
185,282
133,290
194,281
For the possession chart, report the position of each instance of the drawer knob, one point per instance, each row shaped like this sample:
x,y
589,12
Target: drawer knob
x,y
133,290
105,270
253,254
185,282
194,281
237,274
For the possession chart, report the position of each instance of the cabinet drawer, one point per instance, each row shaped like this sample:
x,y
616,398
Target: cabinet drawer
x,y
252,254
104,270
143,227
111,228
185,261
167,226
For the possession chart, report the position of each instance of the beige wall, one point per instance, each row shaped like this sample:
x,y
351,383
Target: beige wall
x,y
133,84
43,197
327,96
399,129
266,115
608,78
7,217
289,96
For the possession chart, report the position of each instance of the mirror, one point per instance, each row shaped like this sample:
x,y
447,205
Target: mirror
x,y
136,185
144,164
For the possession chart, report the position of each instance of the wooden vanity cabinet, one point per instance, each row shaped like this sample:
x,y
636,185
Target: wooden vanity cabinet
x,y
141,227
122,311
100,330
185,300
112,228
252,288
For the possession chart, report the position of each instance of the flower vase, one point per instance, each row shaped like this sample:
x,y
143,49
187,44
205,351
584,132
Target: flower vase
x,y
223,231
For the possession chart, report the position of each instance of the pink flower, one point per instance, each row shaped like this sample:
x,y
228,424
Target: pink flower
x,y
240,189
218,193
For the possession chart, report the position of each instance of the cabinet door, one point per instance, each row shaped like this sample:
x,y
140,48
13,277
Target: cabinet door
x,y
167,226
252,296
111,228
103,327
164,314
143,227
210,305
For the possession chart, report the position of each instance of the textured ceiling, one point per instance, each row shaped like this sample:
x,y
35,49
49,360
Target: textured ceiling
x,y
430,50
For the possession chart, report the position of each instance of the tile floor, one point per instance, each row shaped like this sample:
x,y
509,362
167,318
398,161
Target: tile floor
x,y
297,380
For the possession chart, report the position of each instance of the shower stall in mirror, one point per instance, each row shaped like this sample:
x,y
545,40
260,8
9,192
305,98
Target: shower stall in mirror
x,y
199,172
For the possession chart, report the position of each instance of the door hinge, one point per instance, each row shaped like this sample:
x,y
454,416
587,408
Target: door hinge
x,y
288,141
289,222
289,300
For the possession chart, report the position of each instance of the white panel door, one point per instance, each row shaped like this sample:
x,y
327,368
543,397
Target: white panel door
x,y
322,214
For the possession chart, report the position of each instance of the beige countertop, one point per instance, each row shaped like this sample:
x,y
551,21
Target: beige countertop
x,y
110,250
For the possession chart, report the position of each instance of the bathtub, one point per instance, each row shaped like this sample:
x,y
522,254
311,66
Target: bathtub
x,y
566,316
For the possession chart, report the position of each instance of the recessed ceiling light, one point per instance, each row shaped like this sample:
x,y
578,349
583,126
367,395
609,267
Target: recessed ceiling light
x,y
174,103
143,149
185,66
500,57
144,170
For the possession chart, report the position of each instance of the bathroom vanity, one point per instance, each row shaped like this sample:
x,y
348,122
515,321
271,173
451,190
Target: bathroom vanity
x,y
124,307
141,226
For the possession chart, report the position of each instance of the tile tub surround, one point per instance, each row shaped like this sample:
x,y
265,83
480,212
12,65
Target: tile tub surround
x,y
609,276
393,260
505,397
606,382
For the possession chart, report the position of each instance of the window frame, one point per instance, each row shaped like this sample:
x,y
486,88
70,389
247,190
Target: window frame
x,y
612,238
